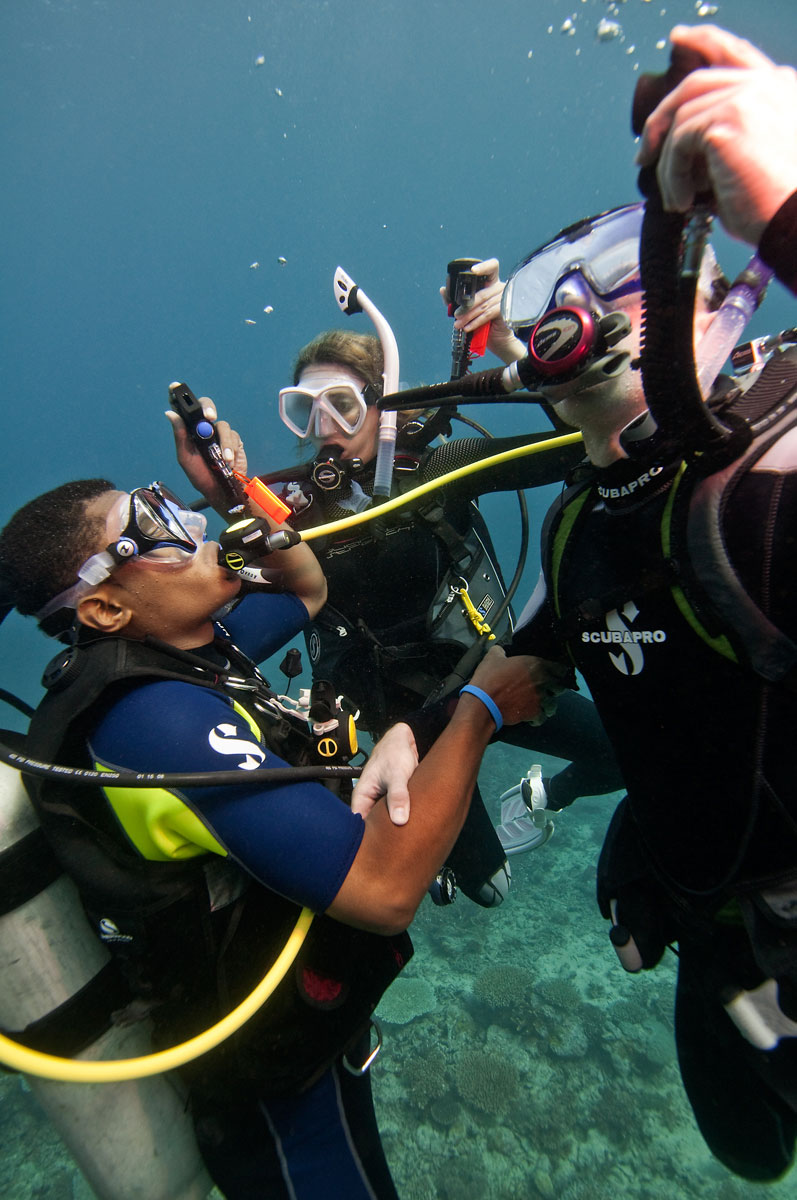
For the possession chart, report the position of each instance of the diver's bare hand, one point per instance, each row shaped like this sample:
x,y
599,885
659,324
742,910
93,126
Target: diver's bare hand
x,y
730,128
194,465
387,773
522,686
486,306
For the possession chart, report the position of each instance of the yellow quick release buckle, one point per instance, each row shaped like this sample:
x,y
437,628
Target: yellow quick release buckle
x,y
475,617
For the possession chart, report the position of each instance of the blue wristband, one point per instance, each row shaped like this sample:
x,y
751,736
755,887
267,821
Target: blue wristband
x,y
487,701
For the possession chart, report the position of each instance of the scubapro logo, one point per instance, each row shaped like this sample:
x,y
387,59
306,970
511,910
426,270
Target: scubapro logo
x,y
110,932
630,659
633,485
224,739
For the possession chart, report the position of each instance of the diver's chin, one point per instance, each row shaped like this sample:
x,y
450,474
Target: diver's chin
x,y
224,611
555,394
593,382
576,390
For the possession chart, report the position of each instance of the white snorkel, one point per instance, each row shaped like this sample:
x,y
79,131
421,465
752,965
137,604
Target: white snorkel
x,y
352,299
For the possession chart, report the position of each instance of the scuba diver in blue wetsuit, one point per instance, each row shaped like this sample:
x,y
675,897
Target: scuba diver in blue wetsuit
x,y
669,573
394,631
195,889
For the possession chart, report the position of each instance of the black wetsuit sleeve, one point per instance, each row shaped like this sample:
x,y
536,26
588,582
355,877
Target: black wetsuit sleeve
x,y
537,634
778,247
548,465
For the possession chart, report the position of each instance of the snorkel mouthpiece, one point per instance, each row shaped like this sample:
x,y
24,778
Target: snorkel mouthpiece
x,y
725,331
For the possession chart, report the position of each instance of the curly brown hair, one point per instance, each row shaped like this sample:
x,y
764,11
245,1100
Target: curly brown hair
x,y
45,543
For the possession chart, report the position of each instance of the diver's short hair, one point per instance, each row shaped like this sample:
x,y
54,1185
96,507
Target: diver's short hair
x,y
359,352
46,542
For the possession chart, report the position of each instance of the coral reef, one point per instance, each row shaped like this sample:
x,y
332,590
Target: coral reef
x,y
425,1078
462,1176
409,997
614,1114
504,986
488,1081
558,994
568,1040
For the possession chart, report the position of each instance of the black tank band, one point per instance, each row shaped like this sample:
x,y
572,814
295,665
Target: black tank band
x,y
81,1019
26,868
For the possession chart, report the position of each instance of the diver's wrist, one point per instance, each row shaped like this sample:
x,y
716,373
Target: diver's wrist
x,y
487,701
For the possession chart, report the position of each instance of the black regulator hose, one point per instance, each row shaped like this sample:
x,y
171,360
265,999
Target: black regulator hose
x,y
669,379
20,761
142,779
14,701
684,421
499,383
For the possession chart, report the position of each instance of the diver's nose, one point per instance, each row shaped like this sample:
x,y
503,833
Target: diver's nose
x,y
573,292
324,425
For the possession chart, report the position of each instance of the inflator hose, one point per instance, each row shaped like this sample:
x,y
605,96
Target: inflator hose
x,y
494,460
669,377
71,1070
476,388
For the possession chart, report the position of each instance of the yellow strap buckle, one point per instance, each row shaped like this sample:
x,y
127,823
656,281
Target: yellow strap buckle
x,y
477,620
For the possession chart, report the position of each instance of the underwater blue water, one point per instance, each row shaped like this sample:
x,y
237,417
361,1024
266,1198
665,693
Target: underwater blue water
x,y
150,159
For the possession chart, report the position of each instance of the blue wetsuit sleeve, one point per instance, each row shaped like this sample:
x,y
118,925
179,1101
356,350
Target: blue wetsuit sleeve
x,y
263,622
298,839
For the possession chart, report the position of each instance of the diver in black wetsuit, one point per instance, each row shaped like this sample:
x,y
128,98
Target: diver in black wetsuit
x,y
394,628
703,851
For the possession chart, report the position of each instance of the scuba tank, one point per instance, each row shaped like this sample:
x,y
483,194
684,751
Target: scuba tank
x,y
131,1141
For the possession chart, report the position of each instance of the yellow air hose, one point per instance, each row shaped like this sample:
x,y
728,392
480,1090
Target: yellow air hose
x,y
494,460
71,1070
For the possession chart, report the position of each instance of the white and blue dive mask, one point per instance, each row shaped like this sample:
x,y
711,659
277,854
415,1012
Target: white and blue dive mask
x,y
599,255
153,525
